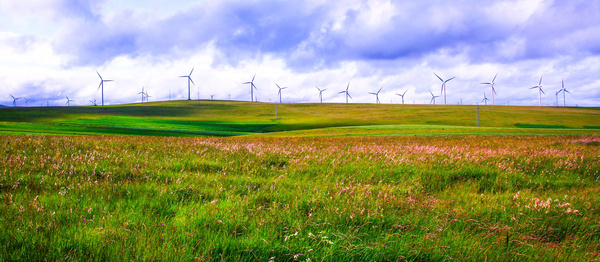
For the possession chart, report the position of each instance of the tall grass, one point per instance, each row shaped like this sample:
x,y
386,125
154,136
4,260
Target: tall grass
x,y
420,198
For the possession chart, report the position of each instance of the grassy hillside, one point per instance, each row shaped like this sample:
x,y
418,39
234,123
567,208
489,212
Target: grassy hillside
x,y
230,118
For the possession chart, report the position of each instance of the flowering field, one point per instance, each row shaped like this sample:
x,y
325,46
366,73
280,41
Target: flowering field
x,y
416,198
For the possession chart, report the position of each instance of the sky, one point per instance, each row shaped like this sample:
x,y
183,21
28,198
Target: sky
x,y
51,49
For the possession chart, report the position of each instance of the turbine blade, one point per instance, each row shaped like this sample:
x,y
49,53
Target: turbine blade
x,y
542,91
99,75
100,85
253,78
192,81
450,79
541,80
486,83
191,71
494,77
438,77
349,95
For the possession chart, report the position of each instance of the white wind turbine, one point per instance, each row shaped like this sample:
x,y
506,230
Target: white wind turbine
x,y
485,99
539,87
320,93
402,95
102,85
444,85
143,94
432,98
15,99
346,93
492,84
68,103
564,90
377,96
279,92
252,87
189,77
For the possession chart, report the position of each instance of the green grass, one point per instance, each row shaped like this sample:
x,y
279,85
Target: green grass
x,y
415,198
228,118
225,181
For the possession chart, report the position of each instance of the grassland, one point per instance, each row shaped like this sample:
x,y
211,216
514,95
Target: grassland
x,y
322,183
227,118
424,198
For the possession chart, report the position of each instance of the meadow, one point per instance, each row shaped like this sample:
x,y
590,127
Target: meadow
x,y
414,198
234,118
226,181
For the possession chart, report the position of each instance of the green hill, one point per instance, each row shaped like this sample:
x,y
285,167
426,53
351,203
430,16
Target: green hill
x,y
231,118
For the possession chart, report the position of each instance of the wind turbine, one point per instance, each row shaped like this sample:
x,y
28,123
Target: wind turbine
x,y
93,102
485,99
539,86
402,95
147,95
377,96
320,93
189,77
492,84
211,97
26,101
15,100
102,85
279,93
346,92
432,98
252,87
143,94
444,85
564,90
68,103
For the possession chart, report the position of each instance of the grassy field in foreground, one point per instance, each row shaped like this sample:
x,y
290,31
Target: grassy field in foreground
x,y
414,198
229,118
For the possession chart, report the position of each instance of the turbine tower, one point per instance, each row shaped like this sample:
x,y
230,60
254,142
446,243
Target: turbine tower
x,y
279,93
444,85
492,84
402,95
189,77
346,92
320,93
539,86
377,96
102,80
252,87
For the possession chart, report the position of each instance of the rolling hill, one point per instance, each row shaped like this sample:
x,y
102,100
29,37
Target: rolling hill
x,y
233,118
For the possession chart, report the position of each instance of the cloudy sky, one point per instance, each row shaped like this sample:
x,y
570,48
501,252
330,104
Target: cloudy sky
x,y
50,49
